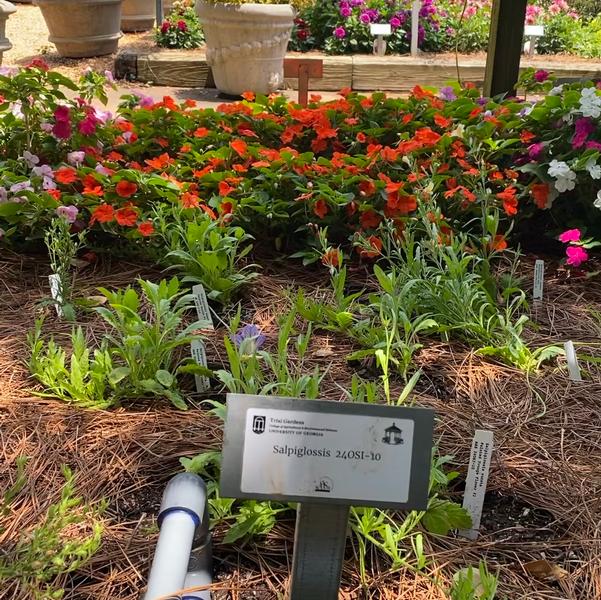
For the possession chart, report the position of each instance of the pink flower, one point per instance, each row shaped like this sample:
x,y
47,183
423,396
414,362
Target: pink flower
x,y
181,25
62,113
62,130
541,75
88,125
571,235
576,255
69,213
165,26
584,127
340,32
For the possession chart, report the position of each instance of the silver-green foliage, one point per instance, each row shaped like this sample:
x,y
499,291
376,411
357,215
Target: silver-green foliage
x,y
471,584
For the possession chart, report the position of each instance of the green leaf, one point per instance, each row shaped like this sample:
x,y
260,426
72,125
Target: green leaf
x,y
443,515
118,374
164,378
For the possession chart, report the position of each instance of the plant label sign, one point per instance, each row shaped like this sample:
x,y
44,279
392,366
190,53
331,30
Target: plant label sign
x,y
573,366
199,354
55,292
202,306
539,280
326,452
477,478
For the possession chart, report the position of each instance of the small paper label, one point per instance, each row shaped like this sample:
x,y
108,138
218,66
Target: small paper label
x,y
199,355
202,307
55,292
539,279
573,367
477,478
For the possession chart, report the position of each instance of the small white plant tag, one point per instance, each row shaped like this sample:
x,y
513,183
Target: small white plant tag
x,y
202,307
573,367
199,355
477,478
539,280
55,292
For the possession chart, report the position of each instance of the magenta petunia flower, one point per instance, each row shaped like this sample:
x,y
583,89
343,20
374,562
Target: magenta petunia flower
x,y
541,75
340,32
576,255
583,128
571,235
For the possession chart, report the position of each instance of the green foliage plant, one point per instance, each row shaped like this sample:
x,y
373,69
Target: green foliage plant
x,y
472,584
181,28
208,252
65,541
146,347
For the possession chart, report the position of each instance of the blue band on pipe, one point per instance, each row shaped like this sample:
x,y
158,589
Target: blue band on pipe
x,y
192,597
174,509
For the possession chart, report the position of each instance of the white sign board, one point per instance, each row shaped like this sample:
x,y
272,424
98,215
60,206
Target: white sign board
x,y
539,280
380,29
312,455
202,307
534,30
477,478
326,452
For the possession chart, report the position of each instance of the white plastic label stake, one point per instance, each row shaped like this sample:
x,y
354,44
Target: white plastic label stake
x,y
202,307
417,5
539,280
55,292
477,478
199,354
572,359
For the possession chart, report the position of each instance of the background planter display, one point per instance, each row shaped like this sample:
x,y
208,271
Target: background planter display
x,y
246,44
137,15
81,28
6,9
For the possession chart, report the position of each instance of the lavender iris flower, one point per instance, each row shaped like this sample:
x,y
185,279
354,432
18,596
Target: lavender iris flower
x,y
248,339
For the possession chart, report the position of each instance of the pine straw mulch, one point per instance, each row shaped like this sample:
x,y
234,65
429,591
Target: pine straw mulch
x,y
544,499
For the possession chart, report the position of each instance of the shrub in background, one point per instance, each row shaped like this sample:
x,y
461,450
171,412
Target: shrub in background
x,y
181,28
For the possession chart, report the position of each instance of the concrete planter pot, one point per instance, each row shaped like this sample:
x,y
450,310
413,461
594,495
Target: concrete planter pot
x,y
138,15
82,28
246,44
6,9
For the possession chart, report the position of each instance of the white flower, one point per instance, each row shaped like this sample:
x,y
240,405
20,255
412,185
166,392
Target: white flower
x,y
597,202
590,103
563,184
556,90
594,170
559,168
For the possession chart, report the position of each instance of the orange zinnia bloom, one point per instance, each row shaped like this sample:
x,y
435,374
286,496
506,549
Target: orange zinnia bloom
x,y
126,216
65,175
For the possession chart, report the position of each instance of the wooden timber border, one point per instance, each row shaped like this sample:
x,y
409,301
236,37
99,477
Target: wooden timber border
x,y
358,72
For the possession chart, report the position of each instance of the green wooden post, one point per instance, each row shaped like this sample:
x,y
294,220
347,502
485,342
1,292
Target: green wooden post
x,y
504,46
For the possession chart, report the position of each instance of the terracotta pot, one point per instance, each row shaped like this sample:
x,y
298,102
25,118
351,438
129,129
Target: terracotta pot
x,y
82,28
138,15
246,44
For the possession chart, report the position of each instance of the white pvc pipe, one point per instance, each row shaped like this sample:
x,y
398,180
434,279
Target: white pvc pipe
x,y
172,554
415,9
197,579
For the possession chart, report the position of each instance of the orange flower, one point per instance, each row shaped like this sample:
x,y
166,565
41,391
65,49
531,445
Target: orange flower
x,y
249,96
367,188
114,156
160,162
375,249
201,132
526,137
475,112
510,202
331,258
103,213
240,147
361,137
209,211
226,208
499,243
146,228
185,148
190,200
419,93
126,189
126,216
370,219
65,175
442,121
321,208
225,189
540,193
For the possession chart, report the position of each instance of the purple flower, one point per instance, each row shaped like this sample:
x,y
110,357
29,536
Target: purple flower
x,y
102,116
102,169
43,171
248,339
535,151
583,128
346,11
69,213
448,93
482,101
395,22
31,159
364,18
109,76
76,158
3,194
541,75
48,183
340,32
21,186
357,3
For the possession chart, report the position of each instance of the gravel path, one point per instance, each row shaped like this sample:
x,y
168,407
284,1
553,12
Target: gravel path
x,y
28,34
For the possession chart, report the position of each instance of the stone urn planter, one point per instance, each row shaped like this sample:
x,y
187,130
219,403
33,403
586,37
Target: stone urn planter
x,y
137,15
82,28
6,9
246,44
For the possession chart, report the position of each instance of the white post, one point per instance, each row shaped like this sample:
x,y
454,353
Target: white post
x,y
415,26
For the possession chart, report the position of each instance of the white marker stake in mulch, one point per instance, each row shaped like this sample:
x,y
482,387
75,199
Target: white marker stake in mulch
x,y
202,307
573,367
539,279
200,356
55,292
477,478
